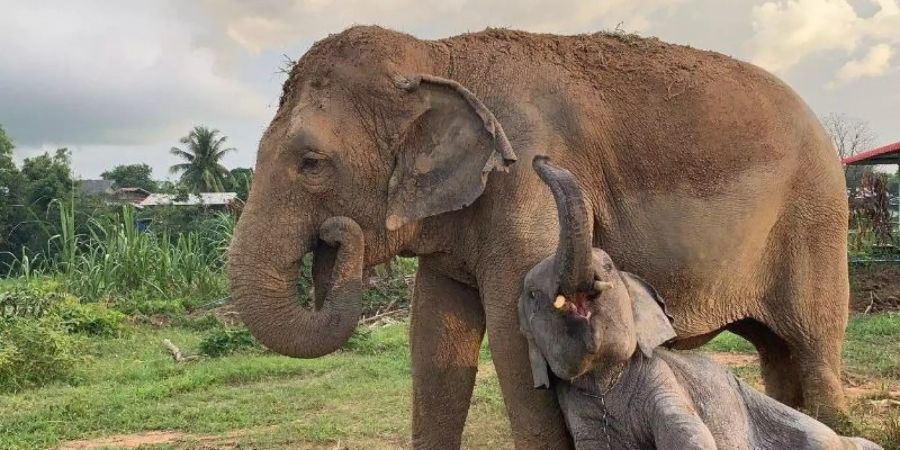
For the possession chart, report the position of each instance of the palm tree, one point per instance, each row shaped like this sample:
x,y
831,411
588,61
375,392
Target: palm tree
x,y
202,171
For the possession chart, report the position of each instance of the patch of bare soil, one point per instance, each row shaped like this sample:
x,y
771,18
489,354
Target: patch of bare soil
x,y
125,440
875,287
734,359
227,314
176,439
882,394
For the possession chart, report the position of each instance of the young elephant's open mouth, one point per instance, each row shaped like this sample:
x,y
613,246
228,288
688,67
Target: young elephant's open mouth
x,y
578,305
581,304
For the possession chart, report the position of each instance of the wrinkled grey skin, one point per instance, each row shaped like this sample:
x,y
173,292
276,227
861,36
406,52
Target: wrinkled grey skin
x,y
617,388
707,174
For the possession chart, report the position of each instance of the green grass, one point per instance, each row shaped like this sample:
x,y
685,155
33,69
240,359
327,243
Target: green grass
x,y
132,385
358,397
871,346
730,343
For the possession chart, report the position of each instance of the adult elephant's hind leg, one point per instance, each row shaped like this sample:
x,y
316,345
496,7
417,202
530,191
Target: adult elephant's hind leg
x,y
780,373
445,339
808,310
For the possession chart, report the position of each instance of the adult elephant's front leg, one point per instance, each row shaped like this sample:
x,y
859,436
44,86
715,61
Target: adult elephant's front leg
x,y
534,414
445,337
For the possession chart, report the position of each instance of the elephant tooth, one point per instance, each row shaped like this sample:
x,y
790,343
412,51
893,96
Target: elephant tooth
x,y
560,302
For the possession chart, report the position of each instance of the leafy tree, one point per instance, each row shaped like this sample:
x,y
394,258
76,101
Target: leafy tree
x,y
239,181
33,216
6,147
47,178
131,175
10,191
202,153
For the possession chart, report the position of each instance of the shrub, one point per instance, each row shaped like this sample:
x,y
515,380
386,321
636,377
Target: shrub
x,y
37,328
37,301
22,300
94,319
390,286
224,341
35,351
367,341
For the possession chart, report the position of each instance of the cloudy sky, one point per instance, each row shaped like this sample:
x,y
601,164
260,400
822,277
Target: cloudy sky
x,y
119,82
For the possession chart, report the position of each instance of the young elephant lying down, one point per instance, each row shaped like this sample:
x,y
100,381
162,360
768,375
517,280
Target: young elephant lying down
x,y
600,332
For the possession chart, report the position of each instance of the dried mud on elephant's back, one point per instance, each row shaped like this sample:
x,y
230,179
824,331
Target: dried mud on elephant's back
x,y
875,287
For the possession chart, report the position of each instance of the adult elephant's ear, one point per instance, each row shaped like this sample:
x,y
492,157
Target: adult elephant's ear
x,y
446,153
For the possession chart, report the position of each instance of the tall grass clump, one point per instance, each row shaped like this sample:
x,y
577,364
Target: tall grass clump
x,y
117,259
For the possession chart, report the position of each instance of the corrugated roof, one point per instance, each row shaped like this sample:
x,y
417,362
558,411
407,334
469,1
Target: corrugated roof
x,y
203,198
133,190
888,154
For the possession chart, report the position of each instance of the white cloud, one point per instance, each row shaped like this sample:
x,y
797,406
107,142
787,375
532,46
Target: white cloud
x,y
787,32
97,75
110,73
261,25
120,81
875,63
791,31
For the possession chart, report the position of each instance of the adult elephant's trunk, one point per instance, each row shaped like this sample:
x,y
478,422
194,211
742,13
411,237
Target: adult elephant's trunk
x,y
264,288
573,253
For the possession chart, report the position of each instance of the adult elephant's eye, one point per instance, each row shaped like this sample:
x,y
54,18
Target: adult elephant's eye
x,y
312,163
309,165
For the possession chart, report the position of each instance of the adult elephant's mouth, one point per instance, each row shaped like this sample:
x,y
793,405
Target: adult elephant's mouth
x,y
264,288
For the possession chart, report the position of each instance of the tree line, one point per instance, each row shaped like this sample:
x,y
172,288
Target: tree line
x,y
31,195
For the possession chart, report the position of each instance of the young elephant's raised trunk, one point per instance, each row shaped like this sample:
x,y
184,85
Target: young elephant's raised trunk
x,y
573,253
265,291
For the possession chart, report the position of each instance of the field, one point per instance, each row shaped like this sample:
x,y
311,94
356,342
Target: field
x,y
132,394
83,365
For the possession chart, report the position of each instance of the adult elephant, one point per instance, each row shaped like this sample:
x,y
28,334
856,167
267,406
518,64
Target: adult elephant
x,y
705,175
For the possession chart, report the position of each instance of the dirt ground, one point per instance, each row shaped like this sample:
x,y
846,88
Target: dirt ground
x,y
875,287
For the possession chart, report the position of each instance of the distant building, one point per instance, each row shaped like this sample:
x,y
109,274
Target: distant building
x,y
132,195
96,187
104,189
886,154
142,198
210,199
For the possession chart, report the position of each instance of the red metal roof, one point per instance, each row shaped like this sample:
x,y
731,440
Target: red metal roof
x,y
888,154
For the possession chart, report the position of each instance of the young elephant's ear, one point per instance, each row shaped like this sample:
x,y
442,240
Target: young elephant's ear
x,y
652,324
446,152
540,370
